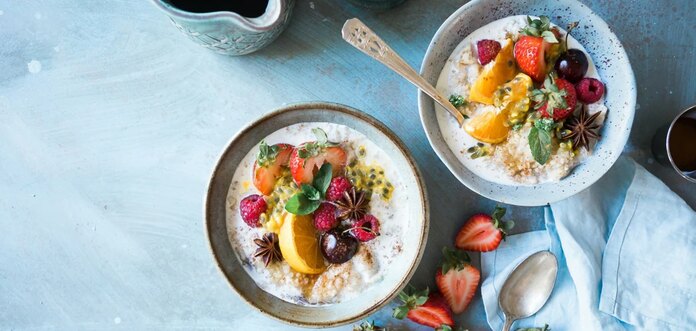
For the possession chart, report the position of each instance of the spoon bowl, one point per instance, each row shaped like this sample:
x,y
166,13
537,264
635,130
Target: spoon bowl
x,y
528,287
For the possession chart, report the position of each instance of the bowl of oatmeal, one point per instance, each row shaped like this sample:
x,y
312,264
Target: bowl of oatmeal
x,y
548,95
316,214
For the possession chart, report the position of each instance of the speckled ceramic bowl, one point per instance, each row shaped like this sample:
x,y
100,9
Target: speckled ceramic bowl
x,y
328,315
609,58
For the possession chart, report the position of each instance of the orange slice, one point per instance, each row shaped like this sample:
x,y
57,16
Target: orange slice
x,y
513,97
500,72
489,126
299,244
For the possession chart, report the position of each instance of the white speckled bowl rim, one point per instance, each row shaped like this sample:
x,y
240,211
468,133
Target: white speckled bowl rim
x,y
612,64
216,226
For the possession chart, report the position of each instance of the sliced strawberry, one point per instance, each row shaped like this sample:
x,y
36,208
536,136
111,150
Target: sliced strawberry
x,y
269,165
457,280
559,95
482,232
423,308
487,50
303,169
529,53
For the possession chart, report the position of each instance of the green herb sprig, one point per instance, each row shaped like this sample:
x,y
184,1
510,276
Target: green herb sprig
x,y
311,196
539,139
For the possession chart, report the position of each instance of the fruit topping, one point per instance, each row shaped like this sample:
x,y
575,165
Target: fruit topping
x,y
482,232
502,70
338,186
457,279
513,96
307,158
310,197
268,250
555,99
530,55
299,245
325,217
366,228
478,150
487,50
270,161
582,129
489,126
423,308
354,205
338,246
589,90
572,65
251,208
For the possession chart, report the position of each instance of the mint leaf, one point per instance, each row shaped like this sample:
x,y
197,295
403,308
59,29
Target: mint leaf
x,y
310,192
540,144
323,178
298,204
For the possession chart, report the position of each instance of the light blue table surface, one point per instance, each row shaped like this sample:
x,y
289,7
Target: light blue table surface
x,y
111,121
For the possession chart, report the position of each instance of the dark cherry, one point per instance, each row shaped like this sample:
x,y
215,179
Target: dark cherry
x,y
338,247
572,65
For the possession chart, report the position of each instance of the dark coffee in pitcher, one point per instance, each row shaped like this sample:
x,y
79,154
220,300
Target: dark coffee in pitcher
x,y
246,8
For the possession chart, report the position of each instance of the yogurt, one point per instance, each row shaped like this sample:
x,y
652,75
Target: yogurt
x,y
460,71
338,282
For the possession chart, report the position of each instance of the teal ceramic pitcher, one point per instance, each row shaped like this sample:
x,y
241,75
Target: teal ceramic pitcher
x,y
228,32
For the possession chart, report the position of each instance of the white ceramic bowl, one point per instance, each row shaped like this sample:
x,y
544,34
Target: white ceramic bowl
x,y
612,64
375,296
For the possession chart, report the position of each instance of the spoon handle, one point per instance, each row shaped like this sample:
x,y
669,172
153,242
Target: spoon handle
x,y
508,323
361,37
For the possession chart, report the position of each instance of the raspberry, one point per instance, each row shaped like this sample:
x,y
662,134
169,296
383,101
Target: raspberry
x,y
325,217
366,228
589,90
251,208
336,188
487,50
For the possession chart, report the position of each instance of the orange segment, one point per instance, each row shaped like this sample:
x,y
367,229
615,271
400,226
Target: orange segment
x,y
299,245
489,126
502,70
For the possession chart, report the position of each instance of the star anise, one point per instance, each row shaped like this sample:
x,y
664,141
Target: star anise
x,y
582,129
353,205
268,249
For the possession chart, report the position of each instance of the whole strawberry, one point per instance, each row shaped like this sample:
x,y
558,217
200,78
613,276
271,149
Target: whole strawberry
x,y
251,208
555,99
483,232
457,279
424,308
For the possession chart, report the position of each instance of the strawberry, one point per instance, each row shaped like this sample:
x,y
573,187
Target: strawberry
x,y
487,50
556,98
423,308
457,279
482,232
269,164
307,158
530,56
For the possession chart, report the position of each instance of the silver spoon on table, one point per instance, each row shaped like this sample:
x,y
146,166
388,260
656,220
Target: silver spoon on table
x,y
359,35
528,287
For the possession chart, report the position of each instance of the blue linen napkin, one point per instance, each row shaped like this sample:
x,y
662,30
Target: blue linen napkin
x,y
626,249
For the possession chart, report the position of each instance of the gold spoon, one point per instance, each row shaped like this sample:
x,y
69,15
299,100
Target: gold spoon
x,y
361,37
